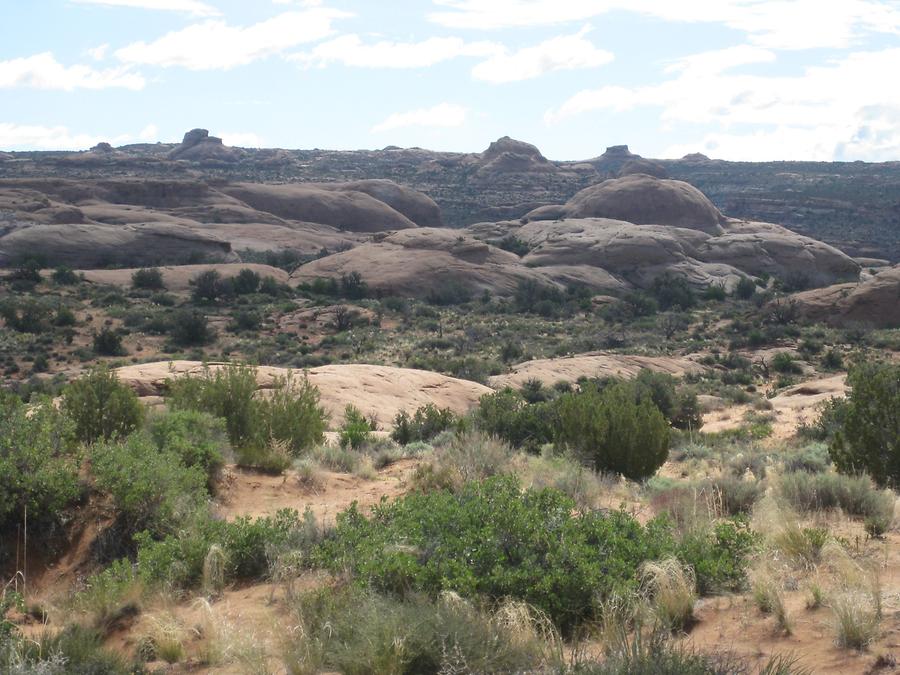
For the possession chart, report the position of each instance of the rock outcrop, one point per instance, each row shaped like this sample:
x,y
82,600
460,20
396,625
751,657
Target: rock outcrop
x,y
199,146
507,155
874,303
643,200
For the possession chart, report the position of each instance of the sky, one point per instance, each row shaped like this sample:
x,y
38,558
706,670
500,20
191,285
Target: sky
x,y
735,79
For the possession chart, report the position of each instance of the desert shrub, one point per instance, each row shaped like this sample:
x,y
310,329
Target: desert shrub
x,y
811,459
148,279
244,320
783,362
832,360
532,390
271,458
38,462
25,316
246,282
426,423
65,276
513,244
671,291
198,439
613,431
108,343
449,293
152,489
206,286
745,289
101,406
290,414
869,440
671,589
505,414
248,545
354,631
64,317
355,431
109,594
718,554
856,495
190,328
492,539
75,650
737,495
715,292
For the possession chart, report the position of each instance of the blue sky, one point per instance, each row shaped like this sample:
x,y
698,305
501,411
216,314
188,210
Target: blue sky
x,y
735,79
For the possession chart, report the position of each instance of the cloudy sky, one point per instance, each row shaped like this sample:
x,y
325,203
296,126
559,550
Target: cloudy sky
x,y
735,79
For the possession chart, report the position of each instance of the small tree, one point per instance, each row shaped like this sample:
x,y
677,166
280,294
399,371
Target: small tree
x,y
869,440
190,328
615,430
101,406
246,282
108,343
355,431
206,286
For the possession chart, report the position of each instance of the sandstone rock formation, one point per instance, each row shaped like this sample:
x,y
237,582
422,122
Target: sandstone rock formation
x,y
424,261
199,146
592,364
177,278
874,303
378,391
507,155
643,200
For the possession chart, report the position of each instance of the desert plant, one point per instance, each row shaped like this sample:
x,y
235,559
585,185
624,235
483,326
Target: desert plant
x,y
355,431
148,278
101,406
671,589
190,328
869,440
214,571
769,597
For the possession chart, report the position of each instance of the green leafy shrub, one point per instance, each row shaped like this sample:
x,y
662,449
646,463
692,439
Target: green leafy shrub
x,y
292,415
355,431
148,279
190,328
869,440
492,539
507,415
206,287
101,406
671,291
427,422
783,362
855,495
198,439
152,489
65,276
38,462
745,289
108,343
614,432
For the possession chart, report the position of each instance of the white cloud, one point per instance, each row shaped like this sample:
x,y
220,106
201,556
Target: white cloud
x,y
442,115
188,6
43,71
350,50
149,133
98,53
775,24
566,52
214,45
35,137
826,112
241,139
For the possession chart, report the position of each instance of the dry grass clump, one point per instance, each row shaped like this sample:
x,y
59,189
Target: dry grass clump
x,y
782,531
671,590
462,458
214,571
309,475
167,636
768,596
568,475
856,602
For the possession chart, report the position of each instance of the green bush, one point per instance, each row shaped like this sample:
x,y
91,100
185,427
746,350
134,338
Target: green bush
x,y
783,362
190,328
206,286
108,343
507,415
427,422
38,462
148,279
492,539
101,406
745,289
198,439
289,414
151,488
671,291
869,439
246,282
65,276
855,495
613,431
355,431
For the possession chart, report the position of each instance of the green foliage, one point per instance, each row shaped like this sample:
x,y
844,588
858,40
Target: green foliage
x,y
38,462
745,289
492,539
108,343
246,282
449,293
190,328
101,406
869,440
148,279
671,291
206,286
152,489
513,244
198,439
355,431
289,414
74,650
65,276
248,546
507,415
358,632
613,430
783,362
427,422
855,495
718,555
25,316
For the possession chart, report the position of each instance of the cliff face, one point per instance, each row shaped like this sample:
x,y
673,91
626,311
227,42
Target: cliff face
x,y
855,206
